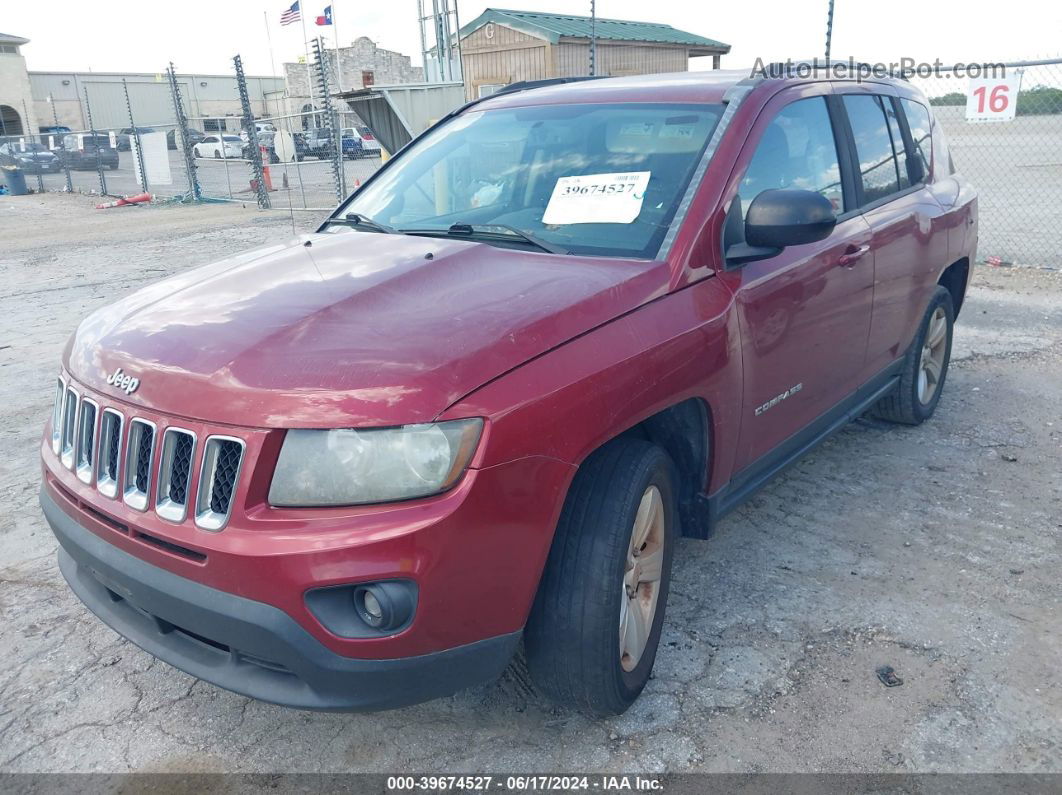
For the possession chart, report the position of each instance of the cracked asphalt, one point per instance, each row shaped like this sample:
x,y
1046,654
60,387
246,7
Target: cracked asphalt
x,y
935,550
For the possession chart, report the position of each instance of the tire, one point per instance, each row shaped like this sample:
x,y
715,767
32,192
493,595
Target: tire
x,y
113,166
217,154
573,637
910,403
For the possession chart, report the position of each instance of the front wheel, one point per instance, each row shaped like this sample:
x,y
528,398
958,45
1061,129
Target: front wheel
x,y
593,633
925,366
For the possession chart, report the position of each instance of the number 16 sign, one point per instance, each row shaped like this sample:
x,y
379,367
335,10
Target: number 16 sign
x,y
993,98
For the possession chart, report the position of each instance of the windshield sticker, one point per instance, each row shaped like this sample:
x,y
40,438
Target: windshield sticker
x,y
597,199
642,129
677,131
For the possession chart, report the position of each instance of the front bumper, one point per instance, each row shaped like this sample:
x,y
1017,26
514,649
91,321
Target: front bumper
x,y
248,646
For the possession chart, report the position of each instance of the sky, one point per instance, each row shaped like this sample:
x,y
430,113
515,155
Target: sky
x,y
202,37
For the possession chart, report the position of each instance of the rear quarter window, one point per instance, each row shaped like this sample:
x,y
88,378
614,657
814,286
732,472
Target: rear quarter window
x,y
921,132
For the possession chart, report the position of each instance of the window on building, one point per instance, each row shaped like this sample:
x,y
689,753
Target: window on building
x,y
877,160
486,89
9,49
797,151
368,79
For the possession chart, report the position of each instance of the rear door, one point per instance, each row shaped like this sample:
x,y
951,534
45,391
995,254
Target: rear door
x,y
910,238
804,314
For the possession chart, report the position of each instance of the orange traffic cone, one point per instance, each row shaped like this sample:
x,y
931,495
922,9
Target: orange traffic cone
x,y
125,200
265,169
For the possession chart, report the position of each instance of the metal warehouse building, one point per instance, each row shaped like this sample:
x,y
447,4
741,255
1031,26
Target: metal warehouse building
x,y
204,95
501,47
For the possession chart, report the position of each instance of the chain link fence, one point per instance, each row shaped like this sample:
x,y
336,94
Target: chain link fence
x,y
277,160
1015,165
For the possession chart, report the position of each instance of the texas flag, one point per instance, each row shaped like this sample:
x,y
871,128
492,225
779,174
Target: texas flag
x,y
327,18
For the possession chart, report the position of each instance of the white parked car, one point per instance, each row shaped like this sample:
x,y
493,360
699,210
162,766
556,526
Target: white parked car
x,y
369,146
219,146
259,128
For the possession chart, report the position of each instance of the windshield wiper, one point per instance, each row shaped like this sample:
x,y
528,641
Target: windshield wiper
x,y
363,222
469,230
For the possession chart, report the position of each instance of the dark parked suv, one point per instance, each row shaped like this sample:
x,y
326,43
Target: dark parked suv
x,y
85,150
566,325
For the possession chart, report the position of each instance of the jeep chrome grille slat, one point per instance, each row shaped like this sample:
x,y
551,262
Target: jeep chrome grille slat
x,y
57,414
140,449
218,478
66,442
85,447
118,454
175,474
110,452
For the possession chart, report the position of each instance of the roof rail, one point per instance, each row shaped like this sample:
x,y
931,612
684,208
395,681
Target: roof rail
x,y
527,85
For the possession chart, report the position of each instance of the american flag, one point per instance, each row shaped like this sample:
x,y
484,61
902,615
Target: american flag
x,y
291,15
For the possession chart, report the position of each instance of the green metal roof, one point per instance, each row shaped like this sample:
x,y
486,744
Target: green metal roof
x,y
553,26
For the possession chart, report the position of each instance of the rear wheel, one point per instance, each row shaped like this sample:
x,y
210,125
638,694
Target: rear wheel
x,y
925,366
595,626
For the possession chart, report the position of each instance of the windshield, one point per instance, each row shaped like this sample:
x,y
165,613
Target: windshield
x,y
590,179
30,147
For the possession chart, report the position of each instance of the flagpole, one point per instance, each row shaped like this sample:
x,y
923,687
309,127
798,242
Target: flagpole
x,y
306,45
335,35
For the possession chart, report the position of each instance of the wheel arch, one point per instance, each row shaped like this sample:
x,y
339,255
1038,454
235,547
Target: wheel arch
x,y
955,278
684,432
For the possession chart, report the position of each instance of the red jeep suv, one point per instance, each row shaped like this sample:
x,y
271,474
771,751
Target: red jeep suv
x,y
564,326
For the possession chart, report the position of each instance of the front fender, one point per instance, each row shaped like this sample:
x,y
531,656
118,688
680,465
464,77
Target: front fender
x,y
569,401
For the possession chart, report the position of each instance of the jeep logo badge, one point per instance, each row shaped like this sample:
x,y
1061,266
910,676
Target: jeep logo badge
x,y
123,381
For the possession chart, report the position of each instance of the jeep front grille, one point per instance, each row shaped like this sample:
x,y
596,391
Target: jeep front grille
x,y
85,450
118,454
222,460
140,449
175,474
109,452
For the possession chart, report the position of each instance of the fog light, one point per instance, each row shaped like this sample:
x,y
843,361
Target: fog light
x,y
380,608
372,610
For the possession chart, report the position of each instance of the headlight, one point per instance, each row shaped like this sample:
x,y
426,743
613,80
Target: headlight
x,y
351,467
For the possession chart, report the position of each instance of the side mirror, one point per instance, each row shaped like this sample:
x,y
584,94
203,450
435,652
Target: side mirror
x,y
780,218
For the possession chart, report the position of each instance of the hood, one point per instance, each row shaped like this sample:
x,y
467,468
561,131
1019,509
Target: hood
x,y
356,328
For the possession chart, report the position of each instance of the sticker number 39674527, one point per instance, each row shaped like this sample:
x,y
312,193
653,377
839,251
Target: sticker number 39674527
x,y
597,198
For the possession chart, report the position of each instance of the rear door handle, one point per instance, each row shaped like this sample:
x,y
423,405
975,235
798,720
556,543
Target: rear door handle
x,y
851,255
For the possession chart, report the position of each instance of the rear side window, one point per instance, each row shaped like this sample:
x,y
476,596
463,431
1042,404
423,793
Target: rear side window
x,y
797,150
877,160
918,120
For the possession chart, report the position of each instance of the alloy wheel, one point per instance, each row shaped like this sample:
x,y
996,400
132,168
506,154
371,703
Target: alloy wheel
x,y
641,579
934,348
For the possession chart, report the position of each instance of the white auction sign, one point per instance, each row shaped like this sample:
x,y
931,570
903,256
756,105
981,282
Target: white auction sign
x,y
156,157
993,98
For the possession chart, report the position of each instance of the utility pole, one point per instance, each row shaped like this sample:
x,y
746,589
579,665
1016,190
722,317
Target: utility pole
x,y
829,30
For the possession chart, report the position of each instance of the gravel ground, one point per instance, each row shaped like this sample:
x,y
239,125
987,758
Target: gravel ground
x,y
933,549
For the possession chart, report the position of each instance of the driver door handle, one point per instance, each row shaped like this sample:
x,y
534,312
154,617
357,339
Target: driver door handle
x,y
851,255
